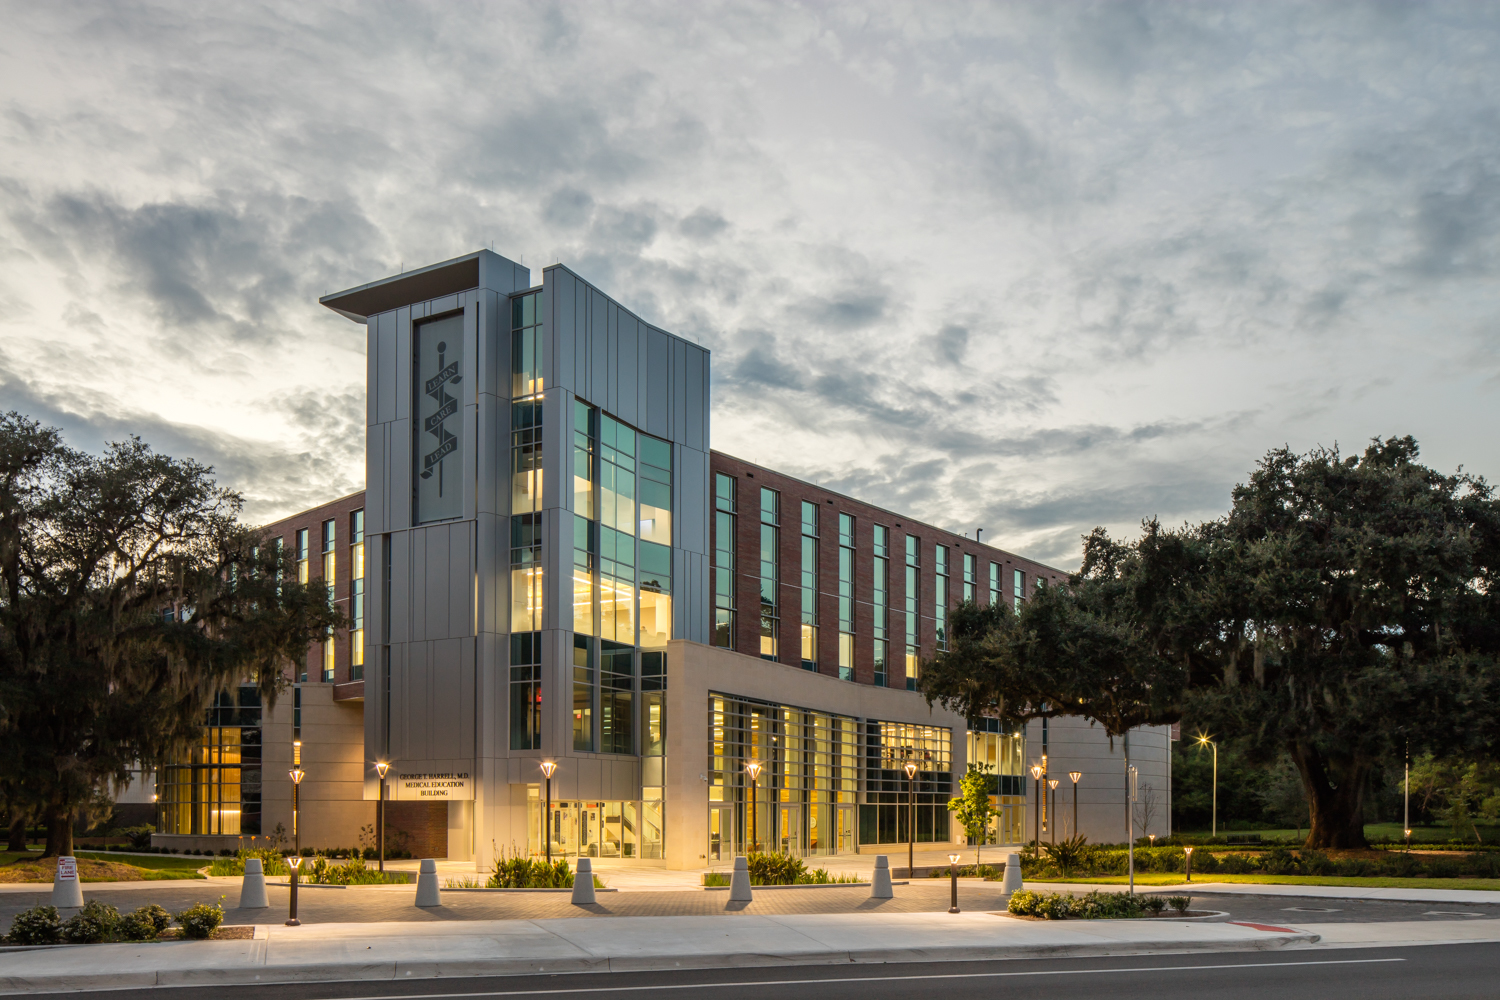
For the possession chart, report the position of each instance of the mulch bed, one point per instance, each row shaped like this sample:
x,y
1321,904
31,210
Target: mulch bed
x,y
45,870
226,932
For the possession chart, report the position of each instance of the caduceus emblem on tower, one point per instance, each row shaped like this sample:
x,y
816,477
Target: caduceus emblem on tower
x,y
436,423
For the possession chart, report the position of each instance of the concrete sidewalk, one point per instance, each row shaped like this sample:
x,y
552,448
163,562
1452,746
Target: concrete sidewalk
x,y
1400,895
395,951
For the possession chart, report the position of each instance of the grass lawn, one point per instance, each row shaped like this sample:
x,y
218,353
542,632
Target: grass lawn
x,y
1161,878
110,867
1373,832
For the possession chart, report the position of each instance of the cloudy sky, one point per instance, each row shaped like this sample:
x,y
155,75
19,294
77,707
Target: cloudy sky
x,y
1031,267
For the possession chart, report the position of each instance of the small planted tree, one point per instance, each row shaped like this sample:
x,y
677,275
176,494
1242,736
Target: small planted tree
x,y
972,807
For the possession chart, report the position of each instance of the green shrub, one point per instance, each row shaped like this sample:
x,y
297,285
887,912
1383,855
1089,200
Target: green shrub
x,y
38,925
775,869
1279,861
144,924
271,863
93,923
1180,904
139,836
531,873
1061,906
1070,854
201,921
1154,904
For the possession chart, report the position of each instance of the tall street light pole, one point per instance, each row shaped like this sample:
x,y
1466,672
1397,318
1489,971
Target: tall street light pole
x,y
911,817
1052,784
753,769
381,767
548,767
1036,821
1208,741
297,774
1075,775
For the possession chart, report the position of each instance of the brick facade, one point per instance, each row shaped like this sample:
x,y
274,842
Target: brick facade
x,y
752,478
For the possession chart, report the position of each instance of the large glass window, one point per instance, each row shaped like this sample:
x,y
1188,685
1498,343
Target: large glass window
x,y
996,597
913,594
526,691
583,693
526,573
809,589
357,595
616,693
302,561
770,612
808,787
653,751
656,540
725,523
846,597
617,527
1019,588
1000,749
585,530
970,571
940,595
880,600
330,579
885,815
527,344
525,457
440,427
214,786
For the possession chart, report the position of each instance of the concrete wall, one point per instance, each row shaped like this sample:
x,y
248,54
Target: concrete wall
x,y
332,803
1076,745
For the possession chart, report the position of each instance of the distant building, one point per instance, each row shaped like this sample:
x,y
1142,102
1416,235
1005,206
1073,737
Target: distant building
x,y
550,564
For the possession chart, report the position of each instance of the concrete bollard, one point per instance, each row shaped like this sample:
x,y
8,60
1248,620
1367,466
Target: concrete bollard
x,y
880,885
253,887
67,892
1012,873
583,883
428,893
739,883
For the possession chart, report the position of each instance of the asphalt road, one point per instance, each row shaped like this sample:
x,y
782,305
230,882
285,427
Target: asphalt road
x,y
332,905
1441,972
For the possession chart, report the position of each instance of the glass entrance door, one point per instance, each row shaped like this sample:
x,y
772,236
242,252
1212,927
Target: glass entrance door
x,y
790,829
720,834
844,816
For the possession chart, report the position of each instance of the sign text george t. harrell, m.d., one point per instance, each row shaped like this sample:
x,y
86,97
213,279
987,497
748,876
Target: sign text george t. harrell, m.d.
x,y
432,785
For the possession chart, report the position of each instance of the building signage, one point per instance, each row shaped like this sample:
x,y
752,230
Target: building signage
x,y
67,869
433,785
439,438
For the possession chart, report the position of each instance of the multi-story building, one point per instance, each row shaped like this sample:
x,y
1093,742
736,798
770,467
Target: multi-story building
x,y
549,564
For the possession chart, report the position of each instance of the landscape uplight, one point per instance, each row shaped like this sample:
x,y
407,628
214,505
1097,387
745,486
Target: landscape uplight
x,y
1188,853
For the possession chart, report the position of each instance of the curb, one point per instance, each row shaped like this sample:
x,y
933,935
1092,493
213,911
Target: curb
x,y
397,971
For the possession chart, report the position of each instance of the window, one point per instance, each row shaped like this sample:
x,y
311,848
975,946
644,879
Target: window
x,y
725,523
913,595
940,595
302,564
212,787
809,590
881,600
526,573
996,598
846,597
357,595
616,691
886,812
770,615
330,568
439,345
527,345
526,691
970,569
1019,588
617,528
656,539
585,530
583,693
525,458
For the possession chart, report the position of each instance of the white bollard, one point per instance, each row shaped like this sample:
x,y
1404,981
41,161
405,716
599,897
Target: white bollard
x,y
67,892
880,885
253,886
1012,873
428,893
583,883
739,883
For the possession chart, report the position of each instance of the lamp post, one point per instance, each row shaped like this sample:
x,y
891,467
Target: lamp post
x,y
1188,853
297,774
1208,741
1130,808
548,767
1036,777
294,862
911,817
1052,784
381,767
1075,775
1406,801
753,769
953,878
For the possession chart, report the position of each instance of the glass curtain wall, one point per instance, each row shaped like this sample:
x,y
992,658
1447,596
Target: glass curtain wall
x,y
585,527
653,752
885,815
996,597
330,569
770,613
1019,588
940,595
1001,748
617,528
526,691
809,589
846,597
214,787
725,523
880,600
807,791
656,541
969,577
